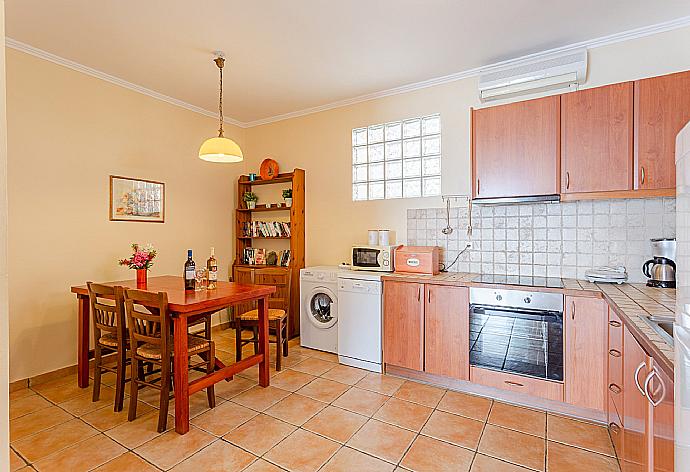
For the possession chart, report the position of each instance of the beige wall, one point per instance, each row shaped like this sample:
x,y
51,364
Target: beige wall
x,y
4,324
320,143
67,132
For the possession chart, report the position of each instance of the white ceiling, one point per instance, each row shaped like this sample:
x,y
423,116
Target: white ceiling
x,y
285,56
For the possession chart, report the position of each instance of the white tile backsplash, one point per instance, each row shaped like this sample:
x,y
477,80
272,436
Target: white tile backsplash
x,y
554,239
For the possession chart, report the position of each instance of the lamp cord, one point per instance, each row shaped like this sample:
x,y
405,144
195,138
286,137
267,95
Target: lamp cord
x,y
220,62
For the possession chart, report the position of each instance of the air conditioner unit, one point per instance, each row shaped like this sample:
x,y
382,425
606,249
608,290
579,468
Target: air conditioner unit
x,y
564,71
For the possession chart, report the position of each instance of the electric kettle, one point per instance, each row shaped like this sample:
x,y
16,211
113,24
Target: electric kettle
x,y
661,272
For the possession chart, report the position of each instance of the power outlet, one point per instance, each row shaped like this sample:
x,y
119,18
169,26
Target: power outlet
x,y
469,244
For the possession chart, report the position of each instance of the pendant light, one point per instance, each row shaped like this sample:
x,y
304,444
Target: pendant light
x,y
220,149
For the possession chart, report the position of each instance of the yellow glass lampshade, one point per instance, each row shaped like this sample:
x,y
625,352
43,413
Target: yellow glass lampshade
x,y
220,149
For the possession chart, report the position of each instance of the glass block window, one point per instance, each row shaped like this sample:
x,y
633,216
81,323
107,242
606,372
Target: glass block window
x,y
401,159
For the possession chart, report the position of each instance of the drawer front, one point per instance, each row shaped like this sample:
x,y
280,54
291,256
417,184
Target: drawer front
x,y
615,427
615,355
615,331
517,383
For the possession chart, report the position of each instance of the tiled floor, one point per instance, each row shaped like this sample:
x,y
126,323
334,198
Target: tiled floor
x,y
317,415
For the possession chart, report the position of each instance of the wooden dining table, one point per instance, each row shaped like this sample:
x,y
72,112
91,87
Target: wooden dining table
x,y
185,307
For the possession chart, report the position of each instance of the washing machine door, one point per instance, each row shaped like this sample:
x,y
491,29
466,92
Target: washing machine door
x,y
321,307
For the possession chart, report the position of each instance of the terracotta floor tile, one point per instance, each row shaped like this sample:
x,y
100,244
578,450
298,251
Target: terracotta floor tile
x,y
428,454
512,446
85,455
263,466
293,359
345,374
127,462
233,388
470,406
361,401
16,462
562,458
83,404
27,404
223,418
407,415
302,451
49,441
198,404
105,418
313,366
37,421
291,380
349,460
296,409
455,429
21,393
58,391
260,398
219,456
50,384
132,434
253,372
382,440
323,390
171,448
578,433
323,355
419,393
484,463
259,434
336,423
520,419
380,383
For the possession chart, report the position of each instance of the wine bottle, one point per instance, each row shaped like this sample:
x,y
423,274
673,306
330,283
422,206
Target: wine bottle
x,y
189,272
212,266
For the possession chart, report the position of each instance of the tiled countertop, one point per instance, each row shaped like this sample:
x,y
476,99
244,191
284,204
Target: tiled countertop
x,y
632,303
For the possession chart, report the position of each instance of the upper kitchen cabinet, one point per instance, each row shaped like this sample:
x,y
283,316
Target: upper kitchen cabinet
x,y
596,139
515,149
662,108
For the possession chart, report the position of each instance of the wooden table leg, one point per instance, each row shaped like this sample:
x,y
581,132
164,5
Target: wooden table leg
x,y
263,342
181,375
84,321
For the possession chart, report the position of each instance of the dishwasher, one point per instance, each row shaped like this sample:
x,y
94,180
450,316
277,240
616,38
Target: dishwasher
x,y
360,320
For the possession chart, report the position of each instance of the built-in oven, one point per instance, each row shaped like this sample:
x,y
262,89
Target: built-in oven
x,y
517,331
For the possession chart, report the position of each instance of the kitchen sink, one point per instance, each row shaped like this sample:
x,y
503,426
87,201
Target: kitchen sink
x,y
663,325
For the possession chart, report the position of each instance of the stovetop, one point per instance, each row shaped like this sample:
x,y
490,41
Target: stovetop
x,y
523,280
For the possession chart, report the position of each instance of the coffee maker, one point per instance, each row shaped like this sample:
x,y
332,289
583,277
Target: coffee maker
x,y
661,269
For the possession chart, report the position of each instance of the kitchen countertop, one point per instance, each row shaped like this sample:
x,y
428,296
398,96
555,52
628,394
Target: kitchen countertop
x,y
631,302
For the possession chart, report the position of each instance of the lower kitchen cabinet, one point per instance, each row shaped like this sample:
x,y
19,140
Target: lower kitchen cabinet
x,y
403,324
659,391
586,334
447,331
636,364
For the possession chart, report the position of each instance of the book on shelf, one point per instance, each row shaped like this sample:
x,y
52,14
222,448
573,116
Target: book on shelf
x,y
284,259
266,229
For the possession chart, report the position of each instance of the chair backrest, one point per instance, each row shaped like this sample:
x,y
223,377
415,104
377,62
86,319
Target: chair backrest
x,y
279,278
107,310
147,317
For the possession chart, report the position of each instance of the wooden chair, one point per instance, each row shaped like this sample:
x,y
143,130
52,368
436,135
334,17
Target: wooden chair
x,y
278,310
109,337
151,342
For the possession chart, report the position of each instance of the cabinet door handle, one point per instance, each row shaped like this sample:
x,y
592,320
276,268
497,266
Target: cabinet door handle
x,y
615,324
429,296
510,382
637,373
567,180
615,428
477,185
615,388
572,309
642,175
615,352
419,293
649,396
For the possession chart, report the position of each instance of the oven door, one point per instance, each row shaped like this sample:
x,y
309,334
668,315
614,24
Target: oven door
x,y
518,341
367,258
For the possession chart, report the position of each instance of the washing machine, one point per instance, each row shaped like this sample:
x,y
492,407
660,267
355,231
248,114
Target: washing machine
x,y
318,327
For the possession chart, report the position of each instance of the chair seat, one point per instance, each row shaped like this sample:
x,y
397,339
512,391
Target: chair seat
x,y
194,344
273,314
109,340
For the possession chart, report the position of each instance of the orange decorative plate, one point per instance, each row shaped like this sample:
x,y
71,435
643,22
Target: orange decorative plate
x,y
269,169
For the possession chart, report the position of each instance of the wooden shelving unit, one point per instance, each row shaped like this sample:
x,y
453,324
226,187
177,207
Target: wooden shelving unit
x,y
245,272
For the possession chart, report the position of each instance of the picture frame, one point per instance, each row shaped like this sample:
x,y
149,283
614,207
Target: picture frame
x,y
133,199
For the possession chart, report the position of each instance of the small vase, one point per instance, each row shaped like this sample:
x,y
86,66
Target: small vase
x,y
251,205
288,202
142,275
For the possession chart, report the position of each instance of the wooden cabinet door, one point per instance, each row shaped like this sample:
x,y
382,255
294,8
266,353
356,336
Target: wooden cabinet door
x,y
515,149
596,139
586,341
447,331
403,324
660,391
662,108
636,364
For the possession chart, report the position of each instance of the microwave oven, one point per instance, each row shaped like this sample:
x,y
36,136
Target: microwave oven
x,y
379,258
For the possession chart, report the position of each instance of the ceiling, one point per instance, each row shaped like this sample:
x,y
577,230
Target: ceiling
x,y
286,56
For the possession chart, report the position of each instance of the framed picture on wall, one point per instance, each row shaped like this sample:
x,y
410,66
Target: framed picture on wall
x,y
136,200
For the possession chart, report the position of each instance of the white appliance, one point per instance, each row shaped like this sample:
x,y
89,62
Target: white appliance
x,y
550,72
682,326
318,327
360,320
377,258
